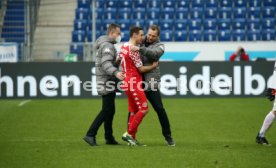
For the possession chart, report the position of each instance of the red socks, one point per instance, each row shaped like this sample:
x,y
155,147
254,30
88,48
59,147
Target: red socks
x,y
130,119
134,122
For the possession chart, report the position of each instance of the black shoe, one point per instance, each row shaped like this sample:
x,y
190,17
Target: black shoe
x,y
90,140
111,142
169,140
261,140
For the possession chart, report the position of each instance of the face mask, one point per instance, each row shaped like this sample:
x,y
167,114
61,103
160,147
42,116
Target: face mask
x,y
118,39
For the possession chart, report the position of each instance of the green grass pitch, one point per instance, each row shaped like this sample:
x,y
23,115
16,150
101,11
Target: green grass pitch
x,y
209,132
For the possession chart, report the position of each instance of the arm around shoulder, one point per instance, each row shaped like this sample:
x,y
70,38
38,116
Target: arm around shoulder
x,y
153,53
144,69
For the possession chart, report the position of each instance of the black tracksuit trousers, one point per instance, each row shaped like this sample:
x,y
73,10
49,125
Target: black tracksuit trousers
x,y
106,115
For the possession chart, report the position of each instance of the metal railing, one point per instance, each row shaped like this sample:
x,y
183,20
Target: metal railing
x,y
31,17
2,14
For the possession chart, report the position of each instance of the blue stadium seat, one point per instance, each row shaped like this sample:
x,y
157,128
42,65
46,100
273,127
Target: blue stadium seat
x,y
89,35
110,13
99,33
80,25
81,13
125,3
239,35
239,24
225,13
239,12
240,3
138,22
269,2
124,24
112,3
197,4
268,12
254,13
210,13
255,3
100,3
166,35
98,25
194,24
182,4
167,13
224,35
17,23
15,40
138,13
268,35
196,13
99,14
224,24
166,24
181,13
140,4
106,23
211,3
180,25
225,3
15,12
124,13
195,35
12,35
180,35
154,3
13,29
210,35
76,48
84,4
15,5
210,24
168,4
78,36
253,24
268,23
14,18
151,22
153,13
125,36
253,35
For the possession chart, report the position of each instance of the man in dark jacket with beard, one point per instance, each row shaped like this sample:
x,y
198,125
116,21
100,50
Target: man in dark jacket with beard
x,y
106,75
151,50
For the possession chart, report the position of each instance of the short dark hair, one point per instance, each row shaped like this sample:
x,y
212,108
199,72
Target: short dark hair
x,y
112,27
134,30
155,28
242,50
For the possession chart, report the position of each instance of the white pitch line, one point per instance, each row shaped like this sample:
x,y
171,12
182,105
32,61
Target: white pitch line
x,y
24,102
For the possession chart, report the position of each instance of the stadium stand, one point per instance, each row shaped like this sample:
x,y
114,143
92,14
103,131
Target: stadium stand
x,y
180,35
13,29
210,35
53,34
179,20
187,20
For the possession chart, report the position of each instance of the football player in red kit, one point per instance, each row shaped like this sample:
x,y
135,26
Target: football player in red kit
x,y
132,85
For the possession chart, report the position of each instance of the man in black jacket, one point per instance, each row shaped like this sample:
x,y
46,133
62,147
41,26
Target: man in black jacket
x,y
151,50
106,74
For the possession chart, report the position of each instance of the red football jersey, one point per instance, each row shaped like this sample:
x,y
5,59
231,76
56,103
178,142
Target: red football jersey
x,y
130,61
